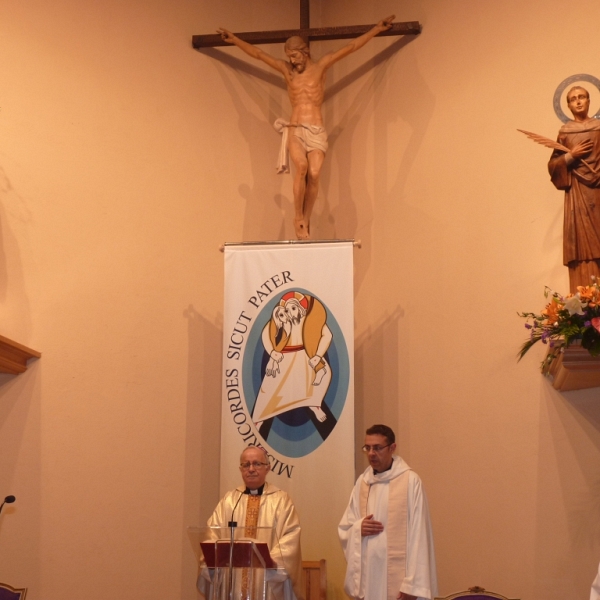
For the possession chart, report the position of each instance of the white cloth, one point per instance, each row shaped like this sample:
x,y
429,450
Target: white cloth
x,y
293,387
595,593
283,158
367,557
314,137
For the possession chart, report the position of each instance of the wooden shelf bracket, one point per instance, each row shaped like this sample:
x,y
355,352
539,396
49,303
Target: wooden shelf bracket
x,y
14,356
575,369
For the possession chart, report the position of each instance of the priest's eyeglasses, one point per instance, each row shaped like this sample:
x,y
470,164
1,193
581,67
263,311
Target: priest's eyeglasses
x,y
377,449
255,465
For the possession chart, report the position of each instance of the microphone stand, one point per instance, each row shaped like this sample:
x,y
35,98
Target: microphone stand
x,y
232,525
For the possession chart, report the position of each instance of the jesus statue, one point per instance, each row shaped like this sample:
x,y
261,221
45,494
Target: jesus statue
x,y
304,136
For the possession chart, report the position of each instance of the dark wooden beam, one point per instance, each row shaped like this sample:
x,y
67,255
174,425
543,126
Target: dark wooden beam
x,y
304,14
315,34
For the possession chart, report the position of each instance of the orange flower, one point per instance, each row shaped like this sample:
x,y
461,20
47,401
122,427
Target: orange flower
x,y
551,312
588,294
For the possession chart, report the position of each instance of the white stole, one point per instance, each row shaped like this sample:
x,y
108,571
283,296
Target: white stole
x,y
397,540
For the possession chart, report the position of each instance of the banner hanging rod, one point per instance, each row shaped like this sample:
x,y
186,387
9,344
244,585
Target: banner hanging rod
x,y
355,243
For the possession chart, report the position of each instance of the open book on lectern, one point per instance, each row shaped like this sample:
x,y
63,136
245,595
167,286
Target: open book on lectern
x,y
253,547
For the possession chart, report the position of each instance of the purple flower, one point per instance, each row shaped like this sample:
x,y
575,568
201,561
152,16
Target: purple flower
x,y
528,326
587,323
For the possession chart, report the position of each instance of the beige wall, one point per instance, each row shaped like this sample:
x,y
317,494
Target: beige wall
x,y
126,158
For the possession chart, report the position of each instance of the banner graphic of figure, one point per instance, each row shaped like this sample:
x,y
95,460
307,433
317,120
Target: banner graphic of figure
x,y
295,373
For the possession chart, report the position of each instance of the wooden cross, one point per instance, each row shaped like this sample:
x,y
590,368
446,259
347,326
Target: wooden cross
x,y
316,34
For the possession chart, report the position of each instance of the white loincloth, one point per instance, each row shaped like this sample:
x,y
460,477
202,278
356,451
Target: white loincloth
x,y
313,137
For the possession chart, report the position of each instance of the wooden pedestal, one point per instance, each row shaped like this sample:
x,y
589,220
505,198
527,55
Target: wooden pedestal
x,y
575,369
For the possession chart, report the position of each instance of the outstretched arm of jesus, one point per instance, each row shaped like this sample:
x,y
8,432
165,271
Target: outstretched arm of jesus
x,y
383,25
253,51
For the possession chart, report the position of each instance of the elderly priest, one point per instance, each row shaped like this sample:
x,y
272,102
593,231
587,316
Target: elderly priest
x,y
258,503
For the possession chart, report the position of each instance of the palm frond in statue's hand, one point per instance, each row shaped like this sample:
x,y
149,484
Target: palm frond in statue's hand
x,y
540,139
544,141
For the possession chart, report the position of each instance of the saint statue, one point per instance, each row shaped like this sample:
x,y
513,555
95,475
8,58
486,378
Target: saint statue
x,y
575,168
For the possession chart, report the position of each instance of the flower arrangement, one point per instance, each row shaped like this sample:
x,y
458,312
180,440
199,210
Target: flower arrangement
x,y
565,320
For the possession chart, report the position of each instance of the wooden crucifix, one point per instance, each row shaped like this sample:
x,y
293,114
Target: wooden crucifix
x,y
304,138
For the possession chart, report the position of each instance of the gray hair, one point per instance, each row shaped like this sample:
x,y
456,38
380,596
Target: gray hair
x,y
252,447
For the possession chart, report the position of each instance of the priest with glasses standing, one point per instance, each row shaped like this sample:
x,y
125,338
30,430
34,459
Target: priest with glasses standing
x,y
258,503
386,531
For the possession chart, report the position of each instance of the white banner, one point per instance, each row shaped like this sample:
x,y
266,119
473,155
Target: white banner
x,y
288,374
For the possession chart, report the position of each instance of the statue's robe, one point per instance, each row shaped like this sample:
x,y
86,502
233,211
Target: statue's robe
x,y
293,387
400,558
581,229
275,510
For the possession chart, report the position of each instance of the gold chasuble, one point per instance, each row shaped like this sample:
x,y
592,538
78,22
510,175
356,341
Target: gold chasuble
x,y
273,508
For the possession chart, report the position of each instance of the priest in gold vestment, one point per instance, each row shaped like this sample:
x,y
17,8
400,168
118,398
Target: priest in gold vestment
x,y
258,503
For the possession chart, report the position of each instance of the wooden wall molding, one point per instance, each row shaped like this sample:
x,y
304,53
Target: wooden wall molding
x,y
14,356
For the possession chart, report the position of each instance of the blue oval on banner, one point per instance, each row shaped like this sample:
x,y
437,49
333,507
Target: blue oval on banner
x,y
294,425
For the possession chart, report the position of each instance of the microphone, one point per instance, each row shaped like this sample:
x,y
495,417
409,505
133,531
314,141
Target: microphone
x,y
9,500
231,523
